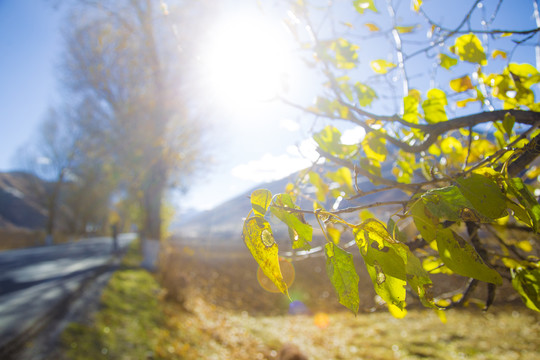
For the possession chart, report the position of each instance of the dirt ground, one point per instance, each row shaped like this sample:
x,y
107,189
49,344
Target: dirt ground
x,y
219,309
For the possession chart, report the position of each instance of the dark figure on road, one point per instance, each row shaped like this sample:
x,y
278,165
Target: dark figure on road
x,y
114,229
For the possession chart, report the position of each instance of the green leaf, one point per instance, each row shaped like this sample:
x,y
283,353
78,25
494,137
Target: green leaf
x,y
365,94
322,188
469,48
455,252
374,147
259,239
484,194
434,110
346,56
394,231
363,5
520,213
461,258
450,204
260,200
386,269
342,274
300,231
424,221
517,188
330,108
405,165
527,284
329,140
391,265
343,177
447,61
381,66
508,123
372,166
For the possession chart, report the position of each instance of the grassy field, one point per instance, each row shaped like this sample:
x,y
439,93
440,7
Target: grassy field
x,y
208,304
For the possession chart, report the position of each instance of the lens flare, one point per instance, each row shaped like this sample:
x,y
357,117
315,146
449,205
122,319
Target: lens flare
x,y
321,320
298,308
287,270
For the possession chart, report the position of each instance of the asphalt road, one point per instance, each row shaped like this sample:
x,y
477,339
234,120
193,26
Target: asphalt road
x,y
38,283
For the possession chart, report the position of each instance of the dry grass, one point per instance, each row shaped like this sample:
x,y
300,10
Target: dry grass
x,y
18,239
215,309
11,239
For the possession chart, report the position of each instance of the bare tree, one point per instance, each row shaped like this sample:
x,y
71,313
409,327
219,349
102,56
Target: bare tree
x,y
51,157
135,113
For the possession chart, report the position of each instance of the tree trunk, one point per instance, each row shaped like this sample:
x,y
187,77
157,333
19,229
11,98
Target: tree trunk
x,y
52,206
152,199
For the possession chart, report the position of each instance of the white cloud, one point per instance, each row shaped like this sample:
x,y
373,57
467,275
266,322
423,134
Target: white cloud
x,y
274,167
353,136
42,160
289,125
270,167
306,149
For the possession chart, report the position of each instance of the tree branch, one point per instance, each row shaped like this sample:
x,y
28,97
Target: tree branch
x,y
529,154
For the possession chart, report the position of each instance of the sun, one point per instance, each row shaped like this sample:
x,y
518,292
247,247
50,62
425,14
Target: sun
x,y
245,60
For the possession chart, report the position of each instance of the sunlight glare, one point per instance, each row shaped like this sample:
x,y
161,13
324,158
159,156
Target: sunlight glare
x,y
287,271
245,60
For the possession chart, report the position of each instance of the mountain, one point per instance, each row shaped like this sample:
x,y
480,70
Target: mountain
x,y
223,224
20,205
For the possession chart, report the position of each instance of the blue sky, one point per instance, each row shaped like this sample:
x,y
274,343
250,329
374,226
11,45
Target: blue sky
x,y
249,144
29,50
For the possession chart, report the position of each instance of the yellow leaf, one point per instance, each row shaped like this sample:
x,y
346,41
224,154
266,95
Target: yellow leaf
x,y
434,150
461,84
381,66
372,27
524,245
451,145
469,48
416,94
416,5
434,106
396,311
258,237
334,234
442,315
447,61
363,5
463,103
405,29
500,53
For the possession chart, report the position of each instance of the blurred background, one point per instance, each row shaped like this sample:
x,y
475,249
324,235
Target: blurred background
x,y
160,118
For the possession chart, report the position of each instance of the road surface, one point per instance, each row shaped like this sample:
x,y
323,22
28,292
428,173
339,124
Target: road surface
x,y
37,284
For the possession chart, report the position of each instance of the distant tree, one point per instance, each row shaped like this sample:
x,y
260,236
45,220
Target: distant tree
x,y
450,148
51,156
129,78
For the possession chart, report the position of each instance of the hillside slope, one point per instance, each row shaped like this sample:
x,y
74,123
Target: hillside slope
x,y
21,207
223,224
